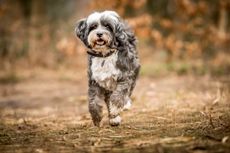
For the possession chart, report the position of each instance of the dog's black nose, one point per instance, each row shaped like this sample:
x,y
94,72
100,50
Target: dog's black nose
x,y
99,34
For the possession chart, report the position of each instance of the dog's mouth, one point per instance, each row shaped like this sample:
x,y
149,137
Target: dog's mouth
x,y
100,42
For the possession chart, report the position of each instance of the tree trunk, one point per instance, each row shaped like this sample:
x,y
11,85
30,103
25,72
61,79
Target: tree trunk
x,y
223,20
37,20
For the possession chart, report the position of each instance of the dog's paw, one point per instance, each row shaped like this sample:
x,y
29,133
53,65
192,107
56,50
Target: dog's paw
x,y
115,121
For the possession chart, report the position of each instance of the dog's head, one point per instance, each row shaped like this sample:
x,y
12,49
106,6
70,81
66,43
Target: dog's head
x,y
101,31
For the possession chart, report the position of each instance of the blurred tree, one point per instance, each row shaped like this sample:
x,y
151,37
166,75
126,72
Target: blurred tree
x,y
223,18
41,31
31,28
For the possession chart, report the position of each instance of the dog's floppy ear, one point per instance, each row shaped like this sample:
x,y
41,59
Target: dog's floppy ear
x,y
80,29
124,34
121,35
126,43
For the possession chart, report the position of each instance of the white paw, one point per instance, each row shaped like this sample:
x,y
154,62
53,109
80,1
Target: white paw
x,y
127,105
115,121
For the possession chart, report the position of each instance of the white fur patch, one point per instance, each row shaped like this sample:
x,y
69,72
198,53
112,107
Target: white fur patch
x,y
115,121
104,71
95,17
128,104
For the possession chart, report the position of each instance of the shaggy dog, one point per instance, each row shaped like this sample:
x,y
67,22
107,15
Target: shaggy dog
x,y
113,63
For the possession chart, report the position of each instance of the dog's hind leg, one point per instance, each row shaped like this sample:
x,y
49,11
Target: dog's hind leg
x,y
96,101
128,103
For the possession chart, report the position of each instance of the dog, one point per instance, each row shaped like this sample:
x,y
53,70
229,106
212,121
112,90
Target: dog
x,y
113,63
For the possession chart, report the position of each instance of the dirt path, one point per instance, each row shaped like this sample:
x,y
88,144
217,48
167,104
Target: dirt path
x,y
170,114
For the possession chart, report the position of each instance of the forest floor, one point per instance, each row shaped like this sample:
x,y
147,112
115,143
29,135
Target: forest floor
x,y
47,111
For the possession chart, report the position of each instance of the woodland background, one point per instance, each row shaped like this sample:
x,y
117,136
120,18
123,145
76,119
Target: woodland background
x,y
182,36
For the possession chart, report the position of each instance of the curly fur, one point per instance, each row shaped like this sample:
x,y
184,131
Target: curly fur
x,y
111,79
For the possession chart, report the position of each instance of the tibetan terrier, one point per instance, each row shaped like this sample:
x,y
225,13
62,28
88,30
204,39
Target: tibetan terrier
x,y
113,63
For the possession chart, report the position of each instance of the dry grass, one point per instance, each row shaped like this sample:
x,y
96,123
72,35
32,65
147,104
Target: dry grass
x,y
47,112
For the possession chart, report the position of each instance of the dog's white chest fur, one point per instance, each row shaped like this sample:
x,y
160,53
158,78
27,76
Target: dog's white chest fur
x,y
104,71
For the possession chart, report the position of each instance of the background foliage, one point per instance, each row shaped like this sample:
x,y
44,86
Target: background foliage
x,y
175,35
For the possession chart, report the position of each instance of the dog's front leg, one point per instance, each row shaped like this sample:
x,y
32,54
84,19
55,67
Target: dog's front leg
x,y
116,103
96,100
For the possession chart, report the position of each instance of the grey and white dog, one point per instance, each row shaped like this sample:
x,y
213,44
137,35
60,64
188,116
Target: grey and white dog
x,y
113,63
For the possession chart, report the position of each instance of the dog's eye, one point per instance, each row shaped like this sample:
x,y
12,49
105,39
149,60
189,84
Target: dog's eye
x,y
108,26
92,27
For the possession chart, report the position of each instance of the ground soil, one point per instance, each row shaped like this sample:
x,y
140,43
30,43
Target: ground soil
x,y
47,112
